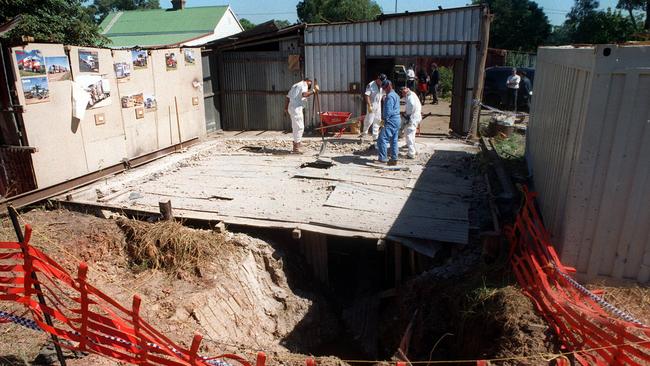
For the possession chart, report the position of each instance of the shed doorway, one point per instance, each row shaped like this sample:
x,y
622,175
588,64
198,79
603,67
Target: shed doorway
x,y
438,118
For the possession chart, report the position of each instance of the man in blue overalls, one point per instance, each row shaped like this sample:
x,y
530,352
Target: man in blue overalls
x,y
390,133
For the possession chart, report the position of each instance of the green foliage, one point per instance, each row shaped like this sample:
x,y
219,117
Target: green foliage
x,y
315,11
631,5
55,21
519,25
246,24
446,81
282,23
586,24
100,8
559,36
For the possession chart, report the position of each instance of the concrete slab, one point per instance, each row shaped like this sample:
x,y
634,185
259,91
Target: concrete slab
x,y
250,179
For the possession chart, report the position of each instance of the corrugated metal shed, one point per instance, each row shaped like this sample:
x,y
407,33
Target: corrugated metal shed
x,y
255,85
335,53
252,73
588,148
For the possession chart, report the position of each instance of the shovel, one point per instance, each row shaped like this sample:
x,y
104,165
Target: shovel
x,y
323,145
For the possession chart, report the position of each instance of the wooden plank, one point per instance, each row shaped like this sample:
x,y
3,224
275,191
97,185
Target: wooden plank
x,y
393,202
450,231
347,176
262,207
423,247
398,264
230,220
325,258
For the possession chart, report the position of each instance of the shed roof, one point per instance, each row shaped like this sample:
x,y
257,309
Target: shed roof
x,y
158,27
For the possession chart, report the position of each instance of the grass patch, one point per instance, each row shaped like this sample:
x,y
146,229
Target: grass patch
x,y
169,246
512,150
510,147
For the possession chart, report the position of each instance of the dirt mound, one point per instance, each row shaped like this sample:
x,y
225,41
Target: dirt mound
x,y
474,316
170,246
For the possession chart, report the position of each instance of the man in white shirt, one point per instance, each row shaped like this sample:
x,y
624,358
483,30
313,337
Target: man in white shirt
x,y
293,106
373,96
513,87
410,77
413,117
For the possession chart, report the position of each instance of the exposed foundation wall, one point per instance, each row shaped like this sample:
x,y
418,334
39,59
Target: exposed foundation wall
x,y
109,132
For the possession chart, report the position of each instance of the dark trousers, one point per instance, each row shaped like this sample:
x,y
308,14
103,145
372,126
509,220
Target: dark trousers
x,y
512,99
433,89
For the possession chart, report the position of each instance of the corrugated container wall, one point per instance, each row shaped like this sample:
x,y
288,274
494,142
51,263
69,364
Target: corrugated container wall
x,y
335,53
588,148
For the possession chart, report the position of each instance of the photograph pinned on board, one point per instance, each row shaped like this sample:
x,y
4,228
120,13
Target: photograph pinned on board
x,y
189,57
139,59
88,61
150,103
97,88
36,89
122,71
134,100
30,63
170,61
58,68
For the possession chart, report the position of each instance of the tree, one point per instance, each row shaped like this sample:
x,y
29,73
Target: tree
x,y
101,8
55,21
246,24
315,11
517,25
282,23
632,5
586,24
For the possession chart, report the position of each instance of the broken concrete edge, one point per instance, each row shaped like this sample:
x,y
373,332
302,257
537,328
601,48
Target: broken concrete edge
x,y
425,247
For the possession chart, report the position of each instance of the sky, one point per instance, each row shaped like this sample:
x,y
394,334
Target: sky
x,y
258,11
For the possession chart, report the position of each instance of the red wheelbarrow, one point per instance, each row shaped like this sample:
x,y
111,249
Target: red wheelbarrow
x,y
334,120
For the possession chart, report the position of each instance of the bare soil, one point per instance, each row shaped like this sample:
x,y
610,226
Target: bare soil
x,y
477,315
241,303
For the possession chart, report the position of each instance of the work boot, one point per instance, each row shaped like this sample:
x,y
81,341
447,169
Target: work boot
x,y
296,148
392,162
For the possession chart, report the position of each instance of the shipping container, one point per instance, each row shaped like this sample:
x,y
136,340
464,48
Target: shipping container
x,y
588,149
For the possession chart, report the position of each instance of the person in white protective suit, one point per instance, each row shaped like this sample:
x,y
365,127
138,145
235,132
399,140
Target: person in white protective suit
x,y
293,106
373,95
412,117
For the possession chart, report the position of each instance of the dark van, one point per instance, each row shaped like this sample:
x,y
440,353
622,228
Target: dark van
x,y
495,92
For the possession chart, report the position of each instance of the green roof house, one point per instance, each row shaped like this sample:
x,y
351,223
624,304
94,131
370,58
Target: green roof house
x,y
178,26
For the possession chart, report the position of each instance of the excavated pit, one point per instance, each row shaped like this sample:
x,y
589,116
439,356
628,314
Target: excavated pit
x,y
258,291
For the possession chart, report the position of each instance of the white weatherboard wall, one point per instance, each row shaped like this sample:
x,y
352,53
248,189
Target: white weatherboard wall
x,y
227,26
588,148
333,51
68,148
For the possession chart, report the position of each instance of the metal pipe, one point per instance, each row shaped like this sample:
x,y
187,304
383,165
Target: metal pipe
x,y
41,299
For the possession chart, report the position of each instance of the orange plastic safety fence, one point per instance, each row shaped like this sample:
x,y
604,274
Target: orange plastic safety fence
x,y
86,318
576,316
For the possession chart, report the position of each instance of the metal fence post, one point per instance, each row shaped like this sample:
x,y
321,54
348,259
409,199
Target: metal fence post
x,y
13,214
